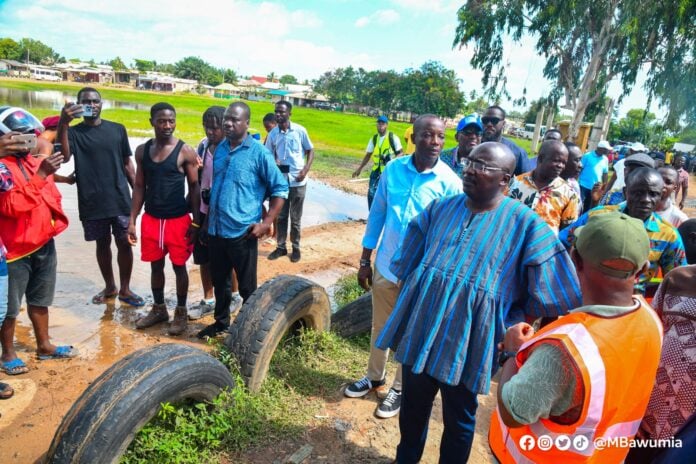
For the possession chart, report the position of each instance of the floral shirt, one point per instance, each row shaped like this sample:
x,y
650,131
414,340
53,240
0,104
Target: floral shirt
x,y
557,203
5,185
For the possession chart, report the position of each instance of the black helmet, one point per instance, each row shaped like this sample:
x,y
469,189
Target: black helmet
x,y
18,120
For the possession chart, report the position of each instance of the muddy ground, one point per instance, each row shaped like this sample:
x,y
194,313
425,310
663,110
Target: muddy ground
x,y
345,431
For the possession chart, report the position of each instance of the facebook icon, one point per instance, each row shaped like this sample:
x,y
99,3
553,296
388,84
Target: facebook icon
x,y
527,442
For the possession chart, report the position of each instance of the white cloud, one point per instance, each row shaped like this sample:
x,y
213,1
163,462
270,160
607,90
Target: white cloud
x,y
379,17
439,6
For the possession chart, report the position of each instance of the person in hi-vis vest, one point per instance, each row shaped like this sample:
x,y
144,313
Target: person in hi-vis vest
x,y
382,147
577,390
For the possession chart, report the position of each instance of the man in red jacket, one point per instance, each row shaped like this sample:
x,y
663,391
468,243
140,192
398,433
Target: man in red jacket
x,y
30,216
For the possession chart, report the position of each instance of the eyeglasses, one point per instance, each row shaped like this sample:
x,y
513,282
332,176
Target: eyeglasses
x,y
471,132
479,166
494,121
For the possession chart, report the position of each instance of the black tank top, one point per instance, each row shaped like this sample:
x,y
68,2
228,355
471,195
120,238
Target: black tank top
x,y
164,185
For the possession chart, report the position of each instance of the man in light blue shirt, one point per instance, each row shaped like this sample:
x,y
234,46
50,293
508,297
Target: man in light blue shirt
x,y
595,169
290,143
406,187
244,173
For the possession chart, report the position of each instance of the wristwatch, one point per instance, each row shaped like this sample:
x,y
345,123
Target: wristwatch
x,y
365,263
504,356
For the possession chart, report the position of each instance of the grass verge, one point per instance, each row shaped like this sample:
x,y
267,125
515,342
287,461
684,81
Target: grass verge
x,y
347,289
305,369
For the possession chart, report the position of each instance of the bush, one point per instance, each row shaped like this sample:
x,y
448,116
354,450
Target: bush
x,y
347,289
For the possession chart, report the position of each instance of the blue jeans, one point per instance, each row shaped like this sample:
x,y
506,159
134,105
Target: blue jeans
x,y
458,411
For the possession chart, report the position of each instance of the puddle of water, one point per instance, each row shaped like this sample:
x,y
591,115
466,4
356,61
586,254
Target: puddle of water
x,y
104,332
55,99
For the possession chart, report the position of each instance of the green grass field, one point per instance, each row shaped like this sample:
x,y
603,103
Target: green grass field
x,y
339,138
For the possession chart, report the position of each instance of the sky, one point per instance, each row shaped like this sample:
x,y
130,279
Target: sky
x,y
304,38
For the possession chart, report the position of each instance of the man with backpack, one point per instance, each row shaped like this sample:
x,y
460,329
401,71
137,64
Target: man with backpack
x,y
382,147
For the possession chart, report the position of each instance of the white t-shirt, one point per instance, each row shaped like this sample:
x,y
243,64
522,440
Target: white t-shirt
x,y
673,214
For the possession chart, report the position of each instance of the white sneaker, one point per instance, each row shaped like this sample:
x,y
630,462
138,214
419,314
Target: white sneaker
x,y
200,310
236,303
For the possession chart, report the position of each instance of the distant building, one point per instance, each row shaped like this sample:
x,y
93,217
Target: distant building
x,y
163,82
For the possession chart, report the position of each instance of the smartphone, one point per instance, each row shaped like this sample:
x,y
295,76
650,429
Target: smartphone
x,y
87,111
57,147
29,140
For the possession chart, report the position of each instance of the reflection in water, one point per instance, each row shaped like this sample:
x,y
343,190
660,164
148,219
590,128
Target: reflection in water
x,y
105,333
54,99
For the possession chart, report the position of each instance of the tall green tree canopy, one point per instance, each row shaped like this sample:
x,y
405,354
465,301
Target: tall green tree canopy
x,y
288,79
588,43
9,49
117,64
38,52
193,67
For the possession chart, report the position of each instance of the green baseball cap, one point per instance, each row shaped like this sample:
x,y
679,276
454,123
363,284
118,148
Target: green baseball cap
x,y
610,237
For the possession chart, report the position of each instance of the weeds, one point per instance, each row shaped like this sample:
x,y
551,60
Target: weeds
x,y
347,289
304,368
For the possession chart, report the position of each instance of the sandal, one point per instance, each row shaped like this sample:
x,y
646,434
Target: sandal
x,y
62,352
14,367
132,300
6,391
102,297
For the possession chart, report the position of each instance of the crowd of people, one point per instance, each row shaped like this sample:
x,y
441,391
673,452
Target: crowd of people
x,y
546,269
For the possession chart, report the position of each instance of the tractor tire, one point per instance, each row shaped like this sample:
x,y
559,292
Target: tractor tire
x,y
105,418
355,318
283,304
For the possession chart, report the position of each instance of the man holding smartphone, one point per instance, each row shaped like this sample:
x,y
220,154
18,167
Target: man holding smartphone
x,y
103,171
31,215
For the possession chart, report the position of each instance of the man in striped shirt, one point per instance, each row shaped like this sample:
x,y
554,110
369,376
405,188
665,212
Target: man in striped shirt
x,y
470,265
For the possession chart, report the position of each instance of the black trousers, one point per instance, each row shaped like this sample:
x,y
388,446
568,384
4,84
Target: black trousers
x,y
226,254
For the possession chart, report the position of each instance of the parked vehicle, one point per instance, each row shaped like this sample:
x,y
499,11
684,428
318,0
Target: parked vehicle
x,y
46,74
323,106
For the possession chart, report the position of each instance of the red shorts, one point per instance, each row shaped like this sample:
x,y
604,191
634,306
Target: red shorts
x,y
162,236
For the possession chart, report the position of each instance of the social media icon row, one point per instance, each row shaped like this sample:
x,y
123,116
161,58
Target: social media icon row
x,y
561,442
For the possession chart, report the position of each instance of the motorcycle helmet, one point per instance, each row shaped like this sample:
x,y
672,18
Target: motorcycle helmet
x,y
18,120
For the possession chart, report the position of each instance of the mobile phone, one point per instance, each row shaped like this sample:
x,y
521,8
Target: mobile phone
x,y
29,140
87,111
57,147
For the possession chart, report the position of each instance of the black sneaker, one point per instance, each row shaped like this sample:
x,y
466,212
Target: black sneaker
x,y
295,256
277,253
390,406
362,387
212,330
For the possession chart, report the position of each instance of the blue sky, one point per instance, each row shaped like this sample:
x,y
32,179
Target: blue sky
x,y
303,38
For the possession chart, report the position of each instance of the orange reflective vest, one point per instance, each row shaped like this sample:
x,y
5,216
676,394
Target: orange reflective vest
x,y
618,358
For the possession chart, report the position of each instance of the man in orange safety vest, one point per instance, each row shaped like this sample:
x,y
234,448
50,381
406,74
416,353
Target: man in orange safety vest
x,y
576,391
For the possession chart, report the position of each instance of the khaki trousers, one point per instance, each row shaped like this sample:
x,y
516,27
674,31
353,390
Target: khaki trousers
x,y
384,295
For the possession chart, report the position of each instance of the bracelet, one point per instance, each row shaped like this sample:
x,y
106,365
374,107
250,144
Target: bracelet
x,y
365,263
197,226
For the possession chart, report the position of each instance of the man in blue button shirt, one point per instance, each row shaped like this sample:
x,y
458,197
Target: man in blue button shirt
x,y
407,185
290,144
244,173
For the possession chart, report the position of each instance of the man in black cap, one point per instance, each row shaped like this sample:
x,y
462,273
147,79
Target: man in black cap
x,y
382,147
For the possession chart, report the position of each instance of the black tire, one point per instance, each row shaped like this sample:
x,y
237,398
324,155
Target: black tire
x,y
284,303
105,418
355,318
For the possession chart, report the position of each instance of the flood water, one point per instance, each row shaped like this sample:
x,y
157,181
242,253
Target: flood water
x,y
54,99
104,332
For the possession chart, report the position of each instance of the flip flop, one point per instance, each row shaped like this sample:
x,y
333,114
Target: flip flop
x,y
62,352
101,297
6,391
132,300
14,367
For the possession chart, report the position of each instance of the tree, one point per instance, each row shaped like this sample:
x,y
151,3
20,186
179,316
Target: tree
x,y
9,49
636,126
431,89
229,76
588,43
117,64
288,79
536,106
144,65
193,67
35,51
272,77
